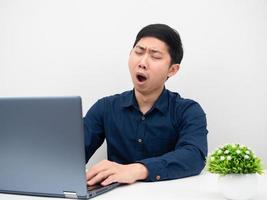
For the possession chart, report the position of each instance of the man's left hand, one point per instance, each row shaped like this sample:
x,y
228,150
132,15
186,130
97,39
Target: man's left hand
x,y
107,172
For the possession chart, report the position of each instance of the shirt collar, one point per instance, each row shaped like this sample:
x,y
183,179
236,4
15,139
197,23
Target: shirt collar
x,y
129,100
161,103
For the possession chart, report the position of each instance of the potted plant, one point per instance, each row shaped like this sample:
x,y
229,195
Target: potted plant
x,y
238,167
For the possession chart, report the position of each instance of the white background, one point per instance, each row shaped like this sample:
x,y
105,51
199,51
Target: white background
x,y
71,47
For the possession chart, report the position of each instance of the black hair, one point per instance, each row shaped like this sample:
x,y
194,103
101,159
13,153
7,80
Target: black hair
x,y
167,35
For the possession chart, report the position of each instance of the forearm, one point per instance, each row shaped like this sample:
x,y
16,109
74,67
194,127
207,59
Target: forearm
x,y
176,164
93,128
92,142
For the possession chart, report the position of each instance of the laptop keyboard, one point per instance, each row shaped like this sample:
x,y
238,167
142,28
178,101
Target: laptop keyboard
x,y
94,187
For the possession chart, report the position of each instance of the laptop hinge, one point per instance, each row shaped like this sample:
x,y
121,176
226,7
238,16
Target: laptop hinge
x,y
70,195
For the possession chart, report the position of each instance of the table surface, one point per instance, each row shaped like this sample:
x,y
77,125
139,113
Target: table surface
x,y
201,187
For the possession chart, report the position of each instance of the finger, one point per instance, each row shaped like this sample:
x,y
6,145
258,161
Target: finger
x,y
90,174
99,177
109,180
101,166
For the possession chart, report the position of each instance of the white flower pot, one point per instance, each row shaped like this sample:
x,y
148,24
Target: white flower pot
x,y
238,186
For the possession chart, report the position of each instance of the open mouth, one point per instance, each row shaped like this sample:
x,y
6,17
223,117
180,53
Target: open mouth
x,y
141,78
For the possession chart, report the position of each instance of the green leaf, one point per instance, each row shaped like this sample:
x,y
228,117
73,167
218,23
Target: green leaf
x,y
243,160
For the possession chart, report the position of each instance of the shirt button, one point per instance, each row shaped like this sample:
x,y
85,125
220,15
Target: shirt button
x,y
140,140
157,177
143,117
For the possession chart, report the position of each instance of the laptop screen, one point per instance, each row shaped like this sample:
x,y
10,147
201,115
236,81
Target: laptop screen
x,y
42,146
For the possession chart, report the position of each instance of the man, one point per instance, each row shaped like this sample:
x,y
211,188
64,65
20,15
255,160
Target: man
x,y
152,133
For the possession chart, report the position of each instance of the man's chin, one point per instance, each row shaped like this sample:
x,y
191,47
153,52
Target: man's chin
x,y
142,90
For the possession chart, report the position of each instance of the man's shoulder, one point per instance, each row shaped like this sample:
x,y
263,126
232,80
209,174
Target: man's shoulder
x,y
182,104
117,98
178,100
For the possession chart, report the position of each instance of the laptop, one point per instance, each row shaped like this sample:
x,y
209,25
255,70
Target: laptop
x,y
42,148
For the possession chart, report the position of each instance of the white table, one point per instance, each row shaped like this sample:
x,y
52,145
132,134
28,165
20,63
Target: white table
x,y
201,187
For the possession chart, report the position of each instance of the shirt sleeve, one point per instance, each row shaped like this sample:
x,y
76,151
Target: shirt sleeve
x,y
188,157
94,128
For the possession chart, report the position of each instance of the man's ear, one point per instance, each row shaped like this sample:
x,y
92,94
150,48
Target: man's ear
x,y
173,69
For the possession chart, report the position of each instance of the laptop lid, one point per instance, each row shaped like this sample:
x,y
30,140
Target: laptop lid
x,y
42,147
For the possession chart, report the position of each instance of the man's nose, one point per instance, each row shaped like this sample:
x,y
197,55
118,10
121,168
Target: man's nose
x,y
143,62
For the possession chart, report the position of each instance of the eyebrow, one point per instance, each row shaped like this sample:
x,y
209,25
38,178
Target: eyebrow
x,y
140,47
151,50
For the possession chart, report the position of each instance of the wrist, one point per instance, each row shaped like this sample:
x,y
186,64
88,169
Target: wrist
x,y
141,170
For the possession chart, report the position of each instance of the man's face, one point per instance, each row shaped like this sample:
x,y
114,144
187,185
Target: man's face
x,y
150,65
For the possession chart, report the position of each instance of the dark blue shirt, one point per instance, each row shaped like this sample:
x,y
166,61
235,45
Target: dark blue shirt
x,y
170,139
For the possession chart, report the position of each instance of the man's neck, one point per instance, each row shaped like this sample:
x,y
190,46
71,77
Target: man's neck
x,y
146,101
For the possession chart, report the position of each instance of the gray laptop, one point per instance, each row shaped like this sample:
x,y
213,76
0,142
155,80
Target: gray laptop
x,y
42,148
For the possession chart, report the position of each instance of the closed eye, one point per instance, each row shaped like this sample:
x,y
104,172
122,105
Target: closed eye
x,y
138,52
156,57
155,54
